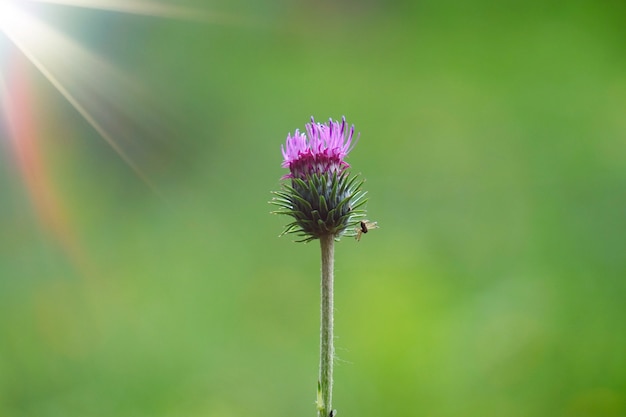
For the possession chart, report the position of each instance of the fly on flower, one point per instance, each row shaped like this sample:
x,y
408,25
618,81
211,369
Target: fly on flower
x,y
364,227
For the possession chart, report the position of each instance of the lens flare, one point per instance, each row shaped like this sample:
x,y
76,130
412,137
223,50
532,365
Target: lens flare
x,y
98,91
146,8
9,14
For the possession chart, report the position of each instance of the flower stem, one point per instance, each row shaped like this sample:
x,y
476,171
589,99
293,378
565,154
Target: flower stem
x,y
327,350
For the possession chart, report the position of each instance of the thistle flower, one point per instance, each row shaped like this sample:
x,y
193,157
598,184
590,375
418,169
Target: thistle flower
x,y
325,202
320,194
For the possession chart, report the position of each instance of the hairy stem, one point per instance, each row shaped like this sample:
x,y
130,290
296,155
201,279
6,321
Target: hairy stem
x,y
327,350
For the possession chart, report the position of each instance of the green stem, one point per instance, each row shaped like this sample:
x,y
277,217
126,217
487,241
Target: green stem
x,y
327,350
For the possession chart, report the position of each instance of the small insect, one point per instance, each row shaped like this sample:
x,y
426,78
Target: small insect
x,y
364,227
333,413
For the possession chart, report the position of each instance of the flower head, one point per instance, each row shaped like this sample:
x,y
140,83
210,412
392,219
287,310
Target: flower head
x,y
322,197
321,150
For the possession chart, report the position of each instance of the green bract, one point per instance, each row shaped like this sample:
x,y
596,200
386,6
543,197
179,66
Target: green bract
x,y
321,205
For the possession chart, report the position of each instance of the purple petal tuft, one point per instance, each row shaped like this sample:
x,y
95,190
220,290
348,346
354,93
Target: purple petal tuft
x,y
321,150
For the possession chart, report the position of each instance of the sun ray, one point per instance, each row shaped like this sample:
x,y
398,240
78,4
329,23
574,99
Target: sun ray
x,y
149,8
105,97
146,8
74,68
89,118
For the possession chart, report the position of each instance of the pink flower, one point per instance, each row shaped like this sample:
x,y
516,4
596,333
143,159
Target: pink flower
x,y
321,196
321,151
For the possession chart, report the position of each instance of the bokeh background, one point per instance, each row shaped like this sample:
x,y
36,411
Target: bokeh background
x,y
141,274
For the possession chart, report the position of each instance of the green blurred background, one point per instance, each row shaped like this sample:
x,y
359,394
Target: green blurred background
x,y
493,144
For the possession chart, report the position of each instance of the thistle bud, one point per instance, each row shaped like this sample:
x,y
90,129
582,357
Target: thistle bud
x,y
319,192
